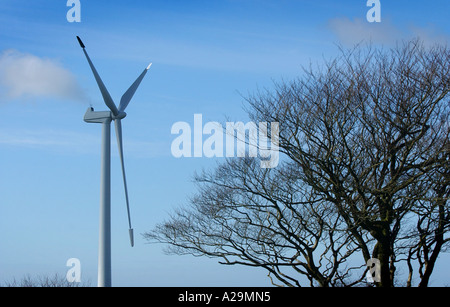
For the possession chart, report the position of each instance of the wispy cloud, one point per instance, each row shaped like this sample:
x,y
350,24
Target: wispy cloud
x,y
430,35
25,75
350,32
77,143
54,140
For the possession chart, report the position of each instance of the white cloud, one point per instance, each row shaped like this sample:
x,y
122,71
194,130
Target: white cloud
x,y
351,32
28,76
430,35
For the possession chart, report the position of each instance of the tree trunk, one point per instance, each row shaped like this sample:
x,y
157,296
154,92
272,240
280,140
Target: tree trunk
x,y
382,252
430,265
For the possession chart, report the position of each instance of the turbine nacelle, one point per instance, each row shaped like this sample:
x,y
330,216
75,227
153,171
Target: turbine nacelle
x,y
96,117
92,116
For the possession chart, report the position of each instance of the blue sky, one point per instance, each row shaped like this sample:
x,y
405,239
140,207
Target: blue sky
x,y
206,55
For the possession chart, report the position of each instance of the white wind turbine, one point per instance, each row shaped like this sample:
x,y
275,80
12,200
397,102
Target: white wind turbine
x,y
105,118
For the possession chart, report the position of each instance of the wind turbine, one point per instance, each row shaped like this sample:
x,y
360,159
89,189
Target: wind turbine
x,y
105,118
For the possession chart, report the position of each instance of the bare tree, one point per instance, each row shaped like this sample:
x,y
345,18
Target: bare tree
x,y
262,218
365,174
43,281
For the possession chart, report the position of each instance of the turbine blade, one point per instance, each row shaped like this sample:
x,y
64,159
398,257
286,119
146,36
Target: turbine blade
x,y
126,98
106,96
131,236
118,125
81,42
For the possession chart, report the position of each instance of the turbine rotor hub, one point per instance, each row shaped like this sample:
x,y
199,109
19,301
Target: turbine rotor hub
x,y
121,115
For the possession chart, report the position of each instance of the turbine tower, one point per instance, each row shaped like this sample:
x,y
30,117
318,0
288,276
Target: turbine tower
x,y
105,118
